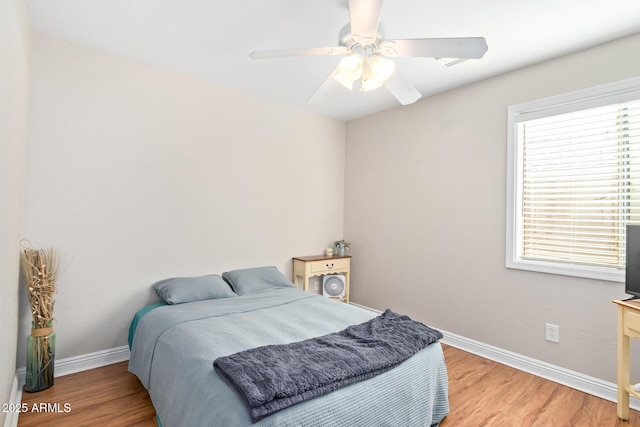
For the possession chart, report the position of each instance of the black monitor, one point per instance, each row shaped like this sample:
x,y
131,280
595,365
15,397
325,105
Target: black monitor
x,y
632,271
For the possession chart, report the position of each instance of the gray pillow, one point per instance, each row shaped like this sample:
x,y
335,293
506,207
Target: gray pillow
x,y
188,289
250,280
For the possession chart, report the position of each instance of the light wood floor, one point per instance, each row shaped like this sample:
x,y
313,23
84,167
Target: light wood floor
x,y
107,396
486,393
481,393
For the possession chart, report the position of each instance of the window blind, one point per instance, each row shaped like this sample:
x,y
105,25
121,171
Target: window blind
x,y
579,184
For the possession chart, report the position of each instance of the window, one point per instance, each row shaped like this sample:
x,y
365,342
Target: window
x,y
574,181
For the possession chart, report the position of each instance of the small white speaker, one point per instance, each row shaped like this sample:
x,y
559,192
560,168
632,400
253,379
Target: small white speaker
x,y
333,285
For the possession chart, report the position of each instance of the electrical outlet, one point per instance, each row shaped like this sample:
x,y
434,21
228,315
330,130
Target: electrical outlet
x,y
552,333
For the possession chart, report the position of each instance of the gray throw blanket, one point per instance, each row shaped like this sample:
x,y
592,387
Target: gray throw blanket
x,y
274,377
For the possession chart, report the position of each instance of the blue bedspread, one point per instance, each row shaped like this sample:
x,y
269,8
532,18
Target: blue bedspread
x,y
174,347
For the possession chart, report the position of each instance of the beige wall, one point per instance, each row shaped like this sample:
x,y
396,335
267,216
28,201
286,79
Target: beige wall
x,y
138,174
425,189
14,95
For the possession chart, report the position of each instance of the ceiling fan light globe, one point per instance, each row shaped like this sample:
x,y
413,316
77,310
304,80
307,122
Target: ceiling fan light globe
x,y
381,68
343,81
351,67
370,84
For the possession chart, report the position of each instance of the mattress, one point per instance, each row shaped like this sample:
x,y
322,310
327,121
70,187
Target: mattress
x,y
174,346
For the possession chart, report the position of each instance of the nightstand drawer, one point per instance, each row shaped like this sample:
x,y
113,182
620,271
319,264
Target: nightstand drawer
x,y
329,265
632,320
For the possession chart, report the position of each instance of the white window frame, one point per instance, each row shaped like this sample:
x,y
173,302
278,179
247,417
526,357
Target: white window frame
x,y
622,91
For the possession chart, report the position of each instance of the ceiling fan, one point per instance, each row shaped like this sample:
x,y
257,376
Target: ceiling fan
x,y
366,50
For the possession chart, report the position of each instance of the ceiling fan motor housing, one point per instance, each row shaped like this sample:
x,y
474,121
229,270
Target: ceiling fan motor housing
x,y
352,41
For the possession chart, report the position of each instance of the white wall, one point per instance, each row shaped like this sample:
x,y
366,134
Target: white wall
x,y
425,192
14,94
138,174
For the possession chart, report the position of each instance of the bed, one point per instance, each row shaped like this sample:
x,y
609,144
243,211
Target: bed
x,y
174,344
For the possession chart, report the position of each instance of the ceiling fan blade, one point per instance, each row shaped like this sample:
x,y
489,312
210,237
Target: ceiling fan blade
x,y
365,17
313,51
325,89
461,47
404,91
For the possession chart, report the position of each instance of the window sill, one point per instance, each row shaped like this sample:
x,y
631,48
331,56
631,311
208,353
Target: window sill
x,y
575,270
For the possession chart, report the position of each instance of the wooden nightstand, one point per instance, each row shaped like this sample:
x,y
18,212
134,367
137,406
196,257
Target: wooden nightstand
x,y
310,266
628,327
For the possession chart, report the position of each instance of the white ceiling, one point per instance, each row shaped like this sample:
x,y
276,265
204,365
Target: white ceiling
x,y
211,39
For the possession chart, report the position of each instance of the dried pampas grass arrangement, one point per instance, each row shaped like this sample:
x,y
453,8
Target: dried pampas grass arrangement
x,y
40,269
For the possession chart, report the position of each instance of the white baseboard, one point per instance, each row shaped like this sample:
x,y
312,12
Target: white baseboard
x,y
576,380
84,362
11,419
365,307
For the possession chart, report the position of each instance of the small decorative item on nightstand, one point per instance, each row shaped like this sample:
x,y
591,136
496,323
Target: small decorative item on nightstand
x,y
341,246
